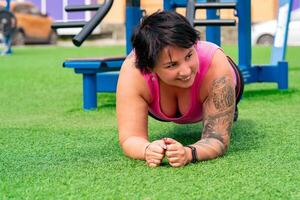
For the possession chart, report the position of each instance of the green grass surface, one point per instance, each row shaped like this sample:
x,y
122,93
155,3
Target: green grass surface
x,y
51,149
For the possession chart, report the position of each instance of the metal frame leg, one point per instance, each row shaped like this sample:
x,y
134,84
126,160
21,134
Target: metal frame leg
x,y
282,75
89,92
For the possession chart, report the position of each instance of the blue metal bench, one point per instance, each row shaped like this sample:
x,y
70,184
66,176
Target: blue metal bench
x,y
99,75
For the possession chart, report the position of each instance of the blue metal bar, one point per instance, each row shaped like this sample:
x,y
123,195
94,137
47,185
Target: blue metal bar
x,y
133,16
213,33
107,81
82,65
282,75
277,73
244,33
115,63
168,5
172,4
89,92
93,65
7,5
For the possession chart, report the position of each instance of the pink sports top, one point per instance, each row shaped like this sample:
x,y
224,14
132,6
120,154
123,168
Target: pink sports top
x,y
205,51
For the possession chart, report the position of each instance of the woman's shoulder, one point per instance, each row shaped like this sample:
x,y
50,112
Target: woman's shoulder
x,y
219,67
206,51
220,61
128,67
131,80
205,45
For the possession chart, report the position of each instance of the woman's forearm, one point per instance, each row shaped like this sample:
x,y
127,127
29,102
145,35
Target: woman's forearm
x,y
209,148
134,147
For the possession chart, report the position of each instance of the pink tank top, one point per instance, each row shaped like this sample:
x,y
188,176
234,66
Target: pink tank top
x,y
205,51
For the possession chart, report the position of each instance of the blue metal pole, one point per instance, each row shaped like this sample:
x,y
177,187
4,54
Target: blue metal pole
x,y
244,33
213,34
133,16
168,5
89,92
282,73
7,5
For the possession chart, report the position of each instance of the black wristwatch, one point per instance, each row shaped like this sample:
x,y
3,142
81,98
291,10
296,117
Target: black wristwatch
x,y
194,154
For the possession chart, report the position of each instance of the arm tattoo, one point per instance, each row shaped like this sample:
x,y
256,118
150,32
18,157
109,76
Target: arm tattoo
x,y
216,124
223,94
218,117
211,148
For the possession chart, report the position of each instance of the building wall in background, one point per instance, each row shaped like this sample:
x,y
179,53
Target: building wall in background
x,y
117,13
263,10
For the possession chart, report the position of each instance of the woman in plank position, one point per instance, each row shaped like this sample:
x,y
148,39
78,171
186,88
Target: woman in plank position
x,y
173,76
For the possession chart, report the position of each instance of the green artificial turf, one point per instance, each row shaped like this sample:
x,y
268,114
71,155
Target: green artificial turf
x,y
51,149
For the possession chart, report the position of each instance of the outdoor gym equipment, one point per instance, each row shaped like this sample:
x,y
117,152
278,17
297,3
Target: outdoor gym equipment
x,y
101,75
277,70
8,25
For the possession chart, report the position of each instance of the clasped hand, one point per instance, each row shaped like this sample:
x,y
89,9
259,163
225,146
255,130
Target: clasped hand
x,y
175,152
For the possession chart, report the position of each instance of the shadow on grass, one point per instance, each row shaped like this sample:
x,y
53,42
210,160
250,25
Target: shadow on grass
x,y
80,109
107,105
244,137
294,68
269,92
74,110
104,100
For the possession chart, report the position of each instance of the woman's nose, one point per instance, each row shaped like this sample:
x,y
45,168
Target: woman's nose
x,y
185,70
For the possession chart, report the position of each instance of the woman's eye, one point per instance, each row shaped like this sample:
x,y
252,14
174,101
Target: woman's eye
x,y
188,56
171,65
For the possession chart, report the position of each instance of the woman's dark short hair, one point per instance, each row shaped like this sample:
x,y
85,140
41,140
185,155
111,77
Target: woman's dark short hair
x,y
158,30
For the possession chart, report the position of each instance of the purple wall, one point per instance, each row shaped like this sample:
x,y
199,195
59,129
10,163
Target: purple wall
x,y
76,15
54,8
296,4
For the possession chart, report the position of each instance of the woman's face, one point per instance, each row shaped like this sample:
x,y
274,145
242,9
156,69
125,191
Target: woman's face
x,y
177,66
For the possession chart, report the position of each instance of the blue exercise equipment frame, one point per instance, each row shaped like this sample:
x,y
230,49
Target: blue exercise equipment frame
x,y
101,75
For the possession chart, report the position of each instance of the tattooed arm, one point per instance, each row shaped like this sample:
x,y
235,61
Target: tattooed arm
x,y
218,111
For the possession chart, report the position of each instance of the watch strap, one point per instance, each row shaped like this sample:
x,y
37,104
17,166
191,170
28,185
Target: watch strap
x,y
194,153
